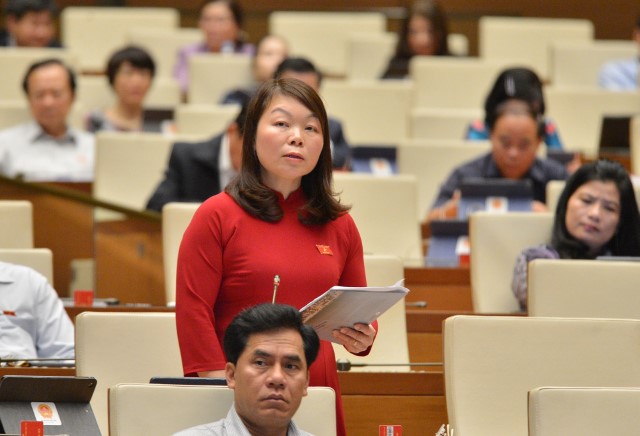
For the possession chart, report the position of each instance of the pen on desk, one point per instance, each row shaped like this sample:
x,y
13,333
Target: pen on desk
x,y
276,283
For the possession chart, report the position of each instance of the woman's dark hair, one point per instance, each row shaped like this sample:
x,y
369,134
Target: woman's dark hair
x,y
431,11
517,107
626,240
234,7
136,56
248,190
515,84
268,317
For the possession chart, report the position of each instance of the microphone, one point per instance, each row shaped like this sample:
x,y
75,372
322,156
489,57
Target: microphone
x,y
42,361
346,365
416,304
276,283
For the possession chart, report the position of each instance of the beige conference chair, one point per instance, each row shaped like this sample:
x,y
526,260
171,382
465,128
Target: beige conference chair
x,y
368,54
16,61
16,224
391,344
452,83
175,220
584,411
204,120
323,37
39,259
431,162
527,40
211,75
553,192
137,409
634,145
440,123
384,209
579,63
496,239
118,347
373,113
491,363
583,288
578,113
84,30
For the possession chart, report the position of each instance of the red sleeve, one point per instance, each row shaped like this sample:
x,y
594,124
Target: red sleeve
x,y
198,280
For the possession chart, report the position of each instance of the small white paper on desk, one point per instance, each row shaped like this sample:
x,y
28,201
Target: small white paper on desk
x,y
344,306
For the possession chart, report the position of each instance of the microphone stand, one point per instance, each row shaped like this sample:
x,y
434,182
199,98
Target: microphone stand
x,y
345,365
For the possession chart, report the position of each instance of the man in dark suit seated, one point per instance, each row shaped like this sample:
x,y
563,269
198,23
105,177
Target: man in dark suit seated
x,y
302,69
200,170
29,23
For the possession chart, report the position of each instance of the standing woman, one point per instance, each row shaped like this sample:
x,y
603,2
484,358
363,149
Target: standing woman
x,y
597,214
423,33
221,25
278,217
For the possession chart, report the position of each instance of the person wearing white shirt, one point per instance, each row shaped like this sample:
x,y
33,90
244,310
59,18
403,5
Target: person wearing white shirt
x,y
47,149
33,322
622,74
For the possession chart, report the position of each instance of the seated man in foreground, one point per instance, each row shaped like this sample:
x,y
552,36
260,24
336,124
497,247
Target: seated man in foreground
x,y
269,352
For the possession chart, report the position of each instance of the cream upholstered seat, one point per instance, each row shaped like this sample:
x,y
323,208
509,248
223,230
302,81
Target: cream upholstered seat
x,y
452,83
384,209
491,362
175,219
137,409
439,123
16,224
204,119
39,259
554,190
211,75
351,103
584,411
496,239
323,36
84,30
578,113
126,347
431,161
391,344
584,288
578,63
368,54
16,61
634,145
163,45
527,40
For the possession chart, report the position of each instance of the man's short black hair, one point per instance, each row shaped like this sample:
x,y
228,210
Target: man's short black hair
x,y
136,56
19,8
266,318
298,65
45,63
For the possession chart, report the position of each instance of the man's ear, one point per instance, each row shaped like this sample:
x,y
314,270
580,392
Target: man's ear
x,y
233,129
230,375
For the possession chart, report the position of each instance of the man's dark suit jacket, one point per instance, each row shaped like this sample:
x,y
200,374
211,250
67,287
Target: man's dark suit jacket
x,y
192,175
341,149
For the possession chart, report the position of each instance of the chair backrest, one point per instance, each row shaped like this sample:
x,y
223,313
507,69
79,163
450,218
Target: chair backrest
x,y
15,62
368,54
211,75
84,30
204,119
127,347
136,409
553,191
578,63
384,209
352,103
163,45
431,161
16,224
561,411
634,145
129,166
496,239
39,259
584,288
452,83
175,219
527,40
491,362
439,123
391,344
578,113
323,36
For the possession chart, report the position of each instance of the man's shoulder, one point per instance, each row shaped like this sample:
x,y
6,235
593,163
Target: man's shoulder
x,y
475,167
551,169
217,428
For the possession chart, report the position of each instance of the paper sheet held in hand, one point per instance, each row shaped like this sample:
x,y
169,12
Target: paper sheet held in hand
x,y
344,306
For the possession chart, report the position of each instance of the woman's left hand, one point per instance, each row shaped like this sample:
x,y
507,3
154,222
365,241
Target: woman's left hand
x,y
356,339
